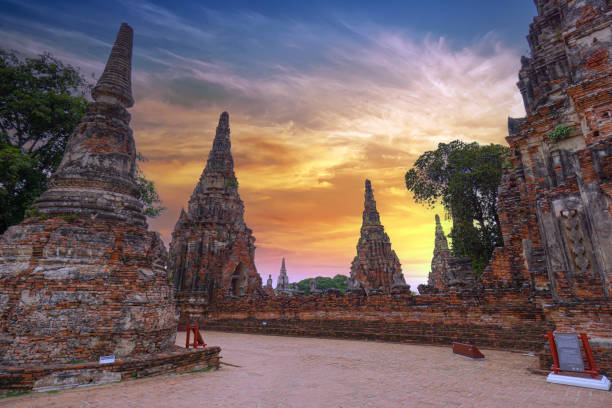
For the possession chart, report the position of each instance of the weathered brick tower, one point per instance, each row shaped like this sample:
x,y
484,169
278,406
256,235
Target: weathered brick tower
x,y
82,276
447,271
555,200
212,251
376,266
556,193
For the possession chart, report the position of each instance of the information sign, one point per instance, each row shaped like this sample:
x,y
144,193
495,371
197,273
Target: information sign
x,y
570,357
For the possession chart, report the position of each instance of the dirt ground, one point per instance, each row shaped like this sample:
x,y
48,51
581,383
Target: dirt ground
x,y
279,371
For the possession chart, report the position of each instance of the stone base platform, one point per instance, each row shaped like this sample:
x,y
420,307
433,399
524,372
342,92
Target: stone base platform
x,y
600,383
59,376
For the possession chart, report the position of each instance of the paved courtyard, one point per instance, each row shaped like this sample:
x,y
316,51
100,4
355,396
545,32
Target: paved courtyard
x,y
304,372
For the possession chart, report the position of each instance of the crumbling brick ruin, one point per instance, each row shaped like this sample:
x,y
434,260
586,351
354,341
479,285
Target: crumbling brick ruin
x,y
82,276
447,271
555,204
212,251
376,266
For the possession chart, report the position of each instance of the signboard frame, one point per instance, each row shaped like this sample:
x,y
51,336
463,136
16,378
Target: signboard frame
x,y
556,368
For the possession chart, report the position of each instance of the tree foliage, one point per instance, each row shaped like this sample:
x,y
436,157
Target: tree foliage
x,y
41,102
21,182
324,283
148,194
464,178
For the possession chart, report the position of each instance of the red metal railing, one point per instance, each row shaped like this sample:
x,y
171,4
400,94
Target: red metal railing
x,y
197,337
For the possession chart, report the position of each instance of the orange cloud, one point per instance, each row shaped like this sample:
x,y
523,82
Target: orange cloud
x,y
302,153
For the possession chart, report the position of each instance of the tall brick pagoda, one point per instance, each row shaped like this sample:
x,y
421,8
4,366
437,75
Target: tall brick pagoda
x,y
376,266
446,270
212,251
556,194
82,276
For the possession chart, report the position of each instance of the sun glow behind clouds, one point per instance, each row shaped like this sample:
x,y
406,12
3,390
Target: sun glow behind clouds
x,y
314,110
304,148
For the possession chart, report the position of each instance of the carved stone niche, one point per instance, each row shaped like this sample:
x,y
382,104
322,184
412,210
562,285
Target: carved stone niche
x,y
570,250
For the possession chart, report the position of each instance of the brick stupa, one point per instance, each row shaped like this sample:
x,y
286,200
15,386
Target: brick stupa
x,y
376,266
447,270
82,276
212,251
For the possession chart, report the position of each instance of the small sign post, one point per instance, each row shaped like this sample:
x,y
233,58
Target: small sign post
x,y
107,359
568,366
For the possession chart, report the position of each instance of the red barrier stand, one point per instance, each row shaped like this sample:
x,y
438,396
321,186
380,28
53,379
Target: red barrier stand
x,y
197,337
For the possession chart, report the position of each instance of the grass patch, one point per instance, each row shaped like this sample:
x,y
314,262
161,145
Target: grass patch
x,y
559,133
53,392
200,370
14,394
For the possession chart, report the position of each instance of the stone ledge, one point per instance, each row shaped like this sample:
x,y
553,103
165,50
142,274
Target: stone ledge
x,y
60,376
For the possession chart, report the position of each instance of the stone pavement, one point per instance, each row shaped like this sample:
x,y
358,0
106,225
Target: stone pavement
x,y
305,372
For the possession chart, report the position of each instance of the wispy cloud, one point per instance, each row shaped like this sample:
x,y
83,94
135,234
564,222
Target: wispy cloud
x,y
315,109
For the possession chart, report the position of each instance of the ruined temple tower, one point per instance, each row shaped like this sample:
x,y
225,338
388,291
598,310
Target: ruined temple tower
x,y
376,265
212,251
82,276
556,193
446,270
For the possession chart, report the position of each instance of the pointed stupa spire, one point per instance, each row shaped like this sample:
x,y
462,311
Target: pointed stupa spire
x,y
370,214
283,269
223,129
220,158
441,243
115,84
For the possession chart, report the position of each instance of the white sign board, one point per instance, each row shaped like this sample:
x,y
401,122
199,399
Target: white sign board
x,y
107,359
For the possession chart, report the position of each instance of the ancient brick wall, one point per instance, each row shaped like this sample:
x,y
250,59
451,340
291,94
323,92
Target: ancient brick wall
x,y
506,321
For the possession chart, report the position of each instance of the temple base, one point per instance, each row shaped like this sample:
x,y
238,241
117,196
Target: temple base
x,y
597,383
61,376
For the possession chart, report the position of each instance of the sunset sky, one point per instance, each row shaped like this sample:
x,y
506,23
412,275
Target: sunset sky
x,y
321,96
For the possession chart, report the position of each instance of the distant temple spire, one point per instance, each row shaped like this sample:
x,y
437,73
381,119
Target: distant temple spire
x,y
282,283
115,84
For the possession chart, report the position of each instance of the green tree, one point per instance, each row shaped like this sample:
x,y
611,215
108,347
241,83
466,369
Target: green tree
x,y
41,102
324,283
148,194
464,178
20,183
